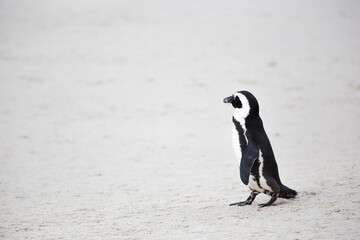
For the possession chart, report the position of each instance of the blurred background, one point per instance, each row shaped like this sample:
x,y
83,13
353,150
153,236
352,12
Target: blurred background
x,y
113,126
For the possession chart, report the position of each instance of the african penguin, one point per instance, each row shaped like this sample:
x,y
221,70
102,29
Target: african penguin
x,y
258,168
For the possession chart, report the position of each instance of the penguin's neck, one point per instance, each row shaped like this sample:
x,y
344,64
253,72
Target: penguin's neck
x,y
239,126
239,115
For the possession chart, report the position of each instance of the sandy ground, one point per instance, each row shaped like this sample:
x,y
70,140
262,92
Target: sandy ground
x,y
113,127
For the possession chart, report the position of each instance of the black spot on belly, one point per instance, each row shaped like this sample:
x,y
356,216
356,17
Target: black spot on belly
x,y
242,138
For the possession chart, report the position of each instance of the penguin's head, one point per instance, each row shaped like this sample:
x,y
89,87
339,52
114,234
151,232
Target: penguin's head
x,y
245,104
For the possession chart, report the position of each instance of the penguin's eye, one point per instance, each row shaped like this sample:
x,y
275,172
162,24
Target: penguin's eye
x,y
237,103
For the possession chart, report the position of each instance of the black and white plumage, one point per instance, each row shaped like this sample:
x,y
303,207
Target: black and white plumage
x,y
258,168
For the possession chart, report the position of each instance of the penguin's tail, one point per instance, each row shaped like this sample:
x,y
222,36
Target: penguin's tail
x,y
286,192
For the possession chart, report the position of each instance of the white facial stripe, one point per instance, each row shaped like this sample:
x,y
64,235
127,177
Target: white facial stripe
x,y
241,113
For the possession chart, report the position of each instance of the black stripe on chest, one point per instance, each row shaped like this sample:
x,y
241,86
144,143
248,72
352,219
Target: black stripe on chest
x,y
241,134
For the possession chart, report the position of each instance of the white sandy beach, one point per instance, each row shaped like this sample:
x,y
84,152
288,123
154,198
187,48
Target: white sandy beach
x,y
113,126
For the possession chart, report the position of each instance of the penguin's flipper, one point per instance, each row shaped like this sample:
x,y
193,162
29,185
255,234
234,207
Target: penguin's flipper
x,y
250,154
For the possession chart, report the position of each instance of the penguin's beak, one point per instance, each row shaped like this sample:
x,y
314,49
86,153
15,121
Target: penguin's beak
x,y
229,99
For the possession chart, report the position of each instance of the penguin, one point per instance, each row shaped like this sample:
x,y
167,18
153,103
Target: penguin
x,y
258,168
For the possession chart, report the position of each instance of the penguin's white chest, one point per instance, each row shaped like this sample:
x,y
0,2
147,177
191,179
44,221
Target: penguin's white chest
x,y
237,134
236,144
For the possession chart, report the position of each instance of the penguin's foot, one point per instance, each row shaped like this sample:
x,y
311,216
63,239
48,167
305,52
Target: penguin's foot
x,y
248,201
244,203
271,201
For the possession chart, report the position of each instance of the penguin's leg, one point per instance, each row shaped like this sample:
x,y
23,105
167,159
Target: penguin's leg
x,y
273,198
248,201
275,186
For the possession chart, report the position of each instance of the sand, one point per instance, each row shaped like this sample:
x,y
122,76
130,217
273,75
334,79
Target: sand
x,y
113,126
